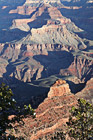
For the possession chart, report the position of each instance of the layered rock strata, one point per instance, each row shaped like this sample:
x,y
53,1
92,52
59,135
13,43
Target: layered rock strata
x,y
52,114
87,92
24,62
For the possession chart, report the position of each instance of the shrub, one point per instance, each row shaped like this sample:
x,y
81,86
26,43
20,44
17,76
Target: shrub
x,y
81,121
8,107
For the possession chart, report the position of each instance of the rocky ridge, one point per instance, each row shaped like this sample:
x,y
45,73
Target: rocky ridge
x,y
87,92
52,114
39,40
28,61
43,22
47,25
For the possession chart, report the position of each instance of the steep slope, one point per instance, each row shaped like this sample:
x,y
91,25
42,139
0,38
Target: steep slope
x,y
49,27
52,114
31,62
37,42
40,42
81,14
48,23
87,92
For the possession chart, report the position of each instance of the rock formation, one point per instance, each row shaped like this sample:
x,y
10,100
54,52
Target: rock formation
x,y
47,40
58,89
52,114
87,92
24,62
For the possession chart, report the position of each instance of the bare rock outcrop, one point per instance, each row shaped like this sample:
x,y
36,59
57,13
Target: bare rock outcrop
x,y
58,89
47,25
80,66
87,92
52,114
27,61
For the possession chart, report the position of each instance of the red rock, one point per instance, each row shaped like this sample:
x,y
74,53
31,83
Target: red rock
x,y
26,54
87,92
23,10
4,7
58,89
51,115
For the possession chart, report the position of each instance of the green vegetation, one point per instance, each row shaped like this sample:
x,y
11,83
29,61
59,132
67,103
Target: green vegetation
x,y
8,107
59,136
81,121
80,124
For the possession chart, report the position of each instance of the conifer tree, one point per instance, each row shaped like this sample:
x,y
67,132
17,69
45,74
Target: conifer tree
x,y
8,107
80,124
81,121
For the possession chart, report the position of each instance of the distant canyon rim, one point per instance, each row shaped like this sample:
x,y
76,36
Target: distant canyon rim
x,y
46,58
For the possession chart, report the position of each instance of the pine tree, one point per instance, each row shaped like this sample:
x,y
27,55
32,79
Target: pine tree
x,y
81,121
8,107
80,124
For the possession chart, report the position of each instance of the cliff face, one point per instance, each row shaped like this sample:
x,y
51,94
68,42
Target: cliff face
x,y
87,92
47,26
52,114
39,40
25,62
81,66
40,22
58,89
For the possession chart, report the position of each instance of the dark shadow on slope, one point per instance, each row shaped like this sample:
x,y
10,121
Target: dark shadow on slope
x,y
54,61
25,93
40,20
76,87
12,2
34,12
6,19
12,35
85,34
82,18
4,48
89,75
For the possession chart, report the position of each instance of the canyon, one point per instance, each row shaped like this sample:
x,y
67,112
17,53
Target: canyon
x,y
53,113
40,40
46,58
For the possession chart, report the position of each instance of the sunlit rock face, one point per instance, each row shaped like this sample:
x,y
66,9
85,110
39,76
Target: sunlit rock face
x,y
59,89
24,62
39,39
42,1
87,92
46,50
52,114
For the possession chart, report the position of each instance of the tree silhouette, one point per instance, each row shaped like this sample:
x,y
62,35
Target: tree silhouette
x,y
8,107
